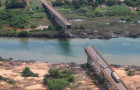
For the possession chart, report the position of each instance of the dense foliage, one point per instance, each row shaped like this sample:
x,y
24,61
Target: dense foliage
x,y
27,73
58,80
13,18
14,4
80,3
0,3
110,2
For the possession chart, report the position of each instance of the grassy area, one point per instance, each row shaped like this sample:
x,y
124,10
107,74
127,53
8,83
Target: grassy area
x,y
12,20
100,20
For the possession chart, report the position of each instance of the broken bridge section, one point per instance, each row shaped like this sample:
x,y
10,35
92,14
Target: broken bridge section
x,y
103,69
58,17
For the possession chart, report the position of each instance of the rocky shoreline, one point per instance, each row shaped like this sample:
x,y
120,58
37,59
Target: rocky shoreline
x,y
91,35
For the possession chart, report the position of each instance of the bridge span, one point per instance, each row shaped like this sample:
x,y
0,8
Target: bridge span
x,y
58,17
103,69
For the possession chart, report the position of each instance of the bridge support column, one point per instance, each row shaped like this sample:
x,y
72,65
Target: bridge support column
x,y
102,75
109,85
67,31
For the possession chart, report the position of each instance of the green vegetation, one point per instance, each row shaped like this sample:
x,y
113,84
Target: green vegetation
x,y
110,2
13,18
8,80
127,69
14,4
0,3
130,73
27,73
58,80
100,18
89,9
23,34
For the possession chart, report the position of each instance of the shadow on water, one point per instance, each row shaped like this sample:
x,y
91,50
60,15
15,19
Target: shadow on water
x,y
24,40
65,46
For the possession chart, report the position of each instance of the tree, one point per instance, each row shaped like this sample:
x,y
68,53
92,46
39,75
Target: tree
x,y
54,72
0,3
57,84
57,3
95,4
76,4
67,2
23,34
110,2
100,1
15,4
129,2
26,72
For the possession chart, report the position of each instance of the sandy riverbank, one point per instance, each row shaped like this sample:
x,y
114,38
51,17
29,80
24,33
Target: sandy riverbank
x,y
13,69
131,81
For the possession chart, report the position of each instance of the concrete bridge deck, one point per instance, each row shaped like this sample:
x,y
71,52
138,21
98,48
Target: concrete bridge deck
x,y
99,60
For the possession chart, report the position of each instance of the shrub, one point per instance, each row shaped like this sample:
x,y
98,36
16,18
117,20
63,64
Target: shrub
x,y
98,12
0,3
51,27
130,73
58,80
95,4
113,23
23,34
129,2
56,84
82,27
57,3
54,72
110,2
127,69
70,78
1,77
10,81
33,26
27,73
121,10
35,75
45,80
14,4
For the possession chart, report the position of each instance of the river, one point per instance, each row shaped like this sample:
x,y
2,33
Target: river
x,y
116,50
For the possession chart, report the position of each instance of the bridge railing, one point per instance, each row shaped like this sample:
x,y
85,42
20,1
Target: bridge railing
x,y
59,13
108,65
101,68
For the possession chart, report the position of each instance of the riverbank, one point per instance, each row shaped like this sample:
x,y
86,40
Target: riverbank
x,y
12,70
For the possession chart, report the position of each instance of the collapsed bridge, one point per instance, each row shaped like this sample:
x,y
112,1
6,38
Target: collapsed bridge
x,y
58,17
104,70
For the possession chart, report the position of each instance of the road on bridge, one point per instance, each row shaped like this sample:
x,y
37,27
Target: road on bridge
x,y
107,70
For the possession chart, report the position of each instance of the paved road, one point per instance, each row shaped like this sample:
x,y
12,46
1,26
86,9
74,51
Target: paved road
x,y
107,70
56,13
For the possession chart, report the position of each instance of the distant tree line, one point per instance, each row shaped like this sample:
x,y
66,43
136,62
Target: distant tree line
x,y
10,4
80,3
